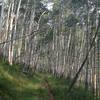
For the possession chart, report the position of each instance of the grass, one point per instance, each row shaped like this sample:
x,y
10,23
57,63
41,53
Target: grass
x,y
14,85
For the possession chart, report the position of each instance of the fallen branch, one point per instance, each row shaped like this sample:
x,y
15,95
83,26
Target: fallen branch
x,y
50,92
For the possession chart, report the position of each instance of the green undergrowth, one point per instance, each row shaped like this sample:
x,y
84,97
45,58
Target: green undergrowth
x,y
14,85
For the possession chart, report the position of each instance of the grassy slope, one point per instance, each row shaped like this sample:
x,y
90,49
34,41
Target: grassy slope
x,y
16,86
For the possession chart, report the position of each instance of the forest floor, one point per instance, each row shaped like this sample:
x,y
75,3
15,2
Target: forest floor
x,y
14,85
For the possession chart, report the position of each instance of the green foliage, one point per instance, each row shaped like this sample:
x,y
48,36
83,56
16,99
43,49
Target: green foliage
x,y
96,2
45,38
30,2
44,20
56,9
71,20
77,3
49,36
38,5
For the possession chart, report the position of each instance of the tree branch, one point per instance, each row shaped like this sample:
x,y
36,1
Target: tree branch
x,y
19,37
